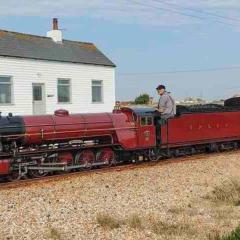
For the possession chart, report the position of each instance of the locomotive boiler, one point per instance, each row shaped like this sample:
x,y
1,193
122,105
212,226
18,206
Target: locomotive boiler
x,y
39,144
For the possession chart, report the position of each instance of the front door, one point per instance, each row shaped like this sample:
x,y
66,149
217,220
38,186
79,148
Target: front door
x,y
39,103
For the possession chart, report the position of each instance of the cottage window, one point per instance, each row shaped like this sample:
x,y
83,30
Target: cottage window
x,y
97,91
5,90
64,90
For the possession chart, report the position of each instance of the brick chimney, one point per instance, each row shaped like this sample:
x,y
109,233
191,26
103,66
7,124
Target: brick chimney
x,y
55,24
55,33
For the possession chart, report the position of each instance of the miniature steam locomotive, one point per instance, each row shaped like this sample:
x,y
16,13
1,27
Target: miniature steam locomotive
x,y
38,145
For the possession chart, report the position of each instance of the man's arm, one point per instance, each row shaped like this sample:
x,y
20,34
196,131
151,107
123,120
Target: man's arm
x,y
160,109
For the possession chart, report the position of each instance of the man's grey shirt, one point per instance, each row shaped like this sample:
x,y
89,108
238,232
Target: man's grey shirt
x,y
167,103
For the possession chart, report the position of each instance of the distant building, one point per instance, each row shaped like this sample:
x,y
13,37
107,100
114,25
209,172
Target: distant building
x,y
220,102
151,101
41,74
126,103
192,101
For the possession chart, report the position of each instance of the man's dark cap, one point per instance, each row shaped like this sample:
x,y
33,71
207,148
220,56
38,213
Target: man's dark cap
x,y
160,87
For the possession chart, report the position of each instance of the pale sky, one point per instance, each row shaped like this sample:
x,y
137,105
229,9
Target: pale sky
x,y
152,42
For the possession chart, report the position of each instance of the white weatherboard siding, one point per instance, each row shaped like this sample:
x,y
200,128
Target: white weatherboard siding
x,y
25,72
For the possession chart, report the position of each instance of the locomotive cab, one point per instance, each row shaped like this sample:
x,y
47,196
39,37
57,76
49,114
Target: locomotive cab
x,y
146,132
144,119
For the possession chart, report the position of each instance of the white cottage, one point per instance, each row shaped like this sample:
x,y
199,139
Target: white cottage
x,y
41,74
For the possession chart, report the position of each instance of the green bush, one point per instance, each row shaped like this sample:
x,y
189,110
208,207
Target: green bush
x,y
142,99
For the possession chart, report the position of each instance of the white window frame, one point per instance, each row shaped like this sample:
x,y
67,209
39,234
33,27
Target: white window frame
x,y
70,90
11,86
102,95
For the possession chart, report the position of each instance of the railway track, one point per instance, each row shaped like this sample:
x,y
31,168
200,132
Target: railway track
x,y
124,167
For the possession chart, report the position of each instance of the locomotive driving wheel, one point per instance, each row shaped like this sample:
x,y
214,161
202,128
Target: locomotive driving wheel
x,y
85,158
14,176
37,173
106,156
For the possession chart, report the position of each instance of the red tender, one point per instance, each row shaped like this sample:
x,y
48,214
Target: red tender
x,y
200,128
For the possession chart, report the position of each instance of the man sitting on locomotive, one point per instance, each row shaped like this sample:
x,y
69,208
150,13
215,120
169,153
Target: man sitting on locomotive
x,y
166,105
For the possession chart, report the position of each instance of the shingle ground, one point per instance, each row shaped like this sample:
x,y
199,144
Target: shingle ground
x,y
170,201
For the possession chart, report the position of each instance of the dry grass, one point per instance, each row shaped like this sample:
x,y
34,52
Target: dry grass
x,y
155,225
183,225
54,234
169,229
234,235
176,210
214,235
228,192
135,222
107,221
223,213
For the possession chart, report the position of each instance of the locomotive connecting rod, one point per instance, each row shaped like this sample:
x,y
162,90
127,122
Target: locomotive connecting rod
x,y
64,168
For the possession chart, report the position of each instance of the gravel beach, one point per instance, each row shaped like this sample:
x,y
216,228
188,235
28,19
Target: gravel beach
x,y
161,202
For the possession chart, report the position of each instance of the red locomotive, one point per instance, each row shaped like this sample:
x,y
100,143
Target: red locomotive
x,y
39,145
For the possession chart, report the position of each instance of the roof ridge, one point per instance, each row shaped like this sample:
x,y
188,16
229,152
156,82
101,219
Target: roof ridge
x,y
39,36
74,41
33,35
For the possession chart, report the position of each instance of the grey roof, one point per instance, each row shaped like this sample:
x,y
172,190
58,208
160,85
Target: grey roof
x,y
13,44
141,110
